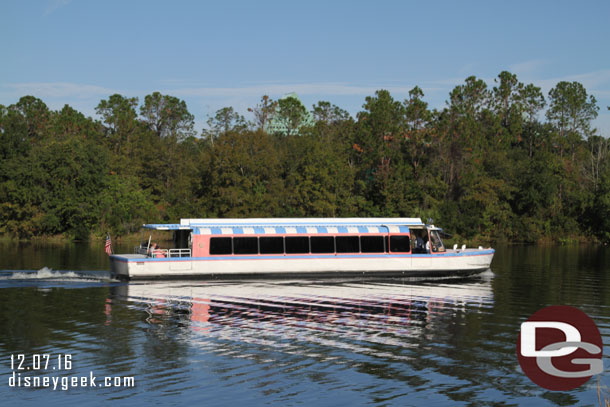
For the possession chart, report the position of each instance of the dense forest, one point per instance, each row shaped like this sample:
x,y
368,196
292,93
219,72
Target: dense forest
x,y
499,163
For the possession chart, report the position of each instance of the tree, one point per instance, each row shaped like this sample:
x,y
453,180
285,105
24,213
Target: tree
x,y
124,206
462,134
380,128
119,114
471,98
22,125
382,116
291,114
35,114
13,135
515,105
69,122
263,112
70,169
240,176
417,121
325,112
533,101
598,214
571,109
167,116
389,182
507,97
225,120
318,178
598,159
334,126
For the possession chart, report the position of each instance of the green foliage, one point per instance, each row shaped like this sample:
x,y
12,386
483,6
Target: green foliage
x,y
119,114
263,112
571,109
225,120
325,112
318,179
124,206
484,167
167,116
240,176
290,114
72,173
598,215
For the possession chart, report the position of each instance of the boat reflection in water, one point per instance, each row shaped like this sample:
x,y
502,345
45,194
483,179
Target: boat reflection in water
x,y
297,317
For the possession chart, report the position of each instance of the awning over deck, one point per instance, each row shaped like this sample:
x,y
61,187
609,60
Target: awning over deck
x,y
166,226
281,230
292,226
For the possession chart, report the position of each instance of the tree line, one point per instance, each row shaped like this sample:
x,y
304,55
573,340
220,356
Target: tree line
x,y
504,162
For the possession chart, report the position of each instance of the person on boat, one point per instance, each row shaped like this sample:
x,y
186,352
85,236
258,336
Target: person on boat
x,y
156,251
419,244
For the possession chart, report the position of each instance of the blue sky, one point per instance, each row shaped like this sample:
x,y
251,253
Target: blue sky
x,y
230,53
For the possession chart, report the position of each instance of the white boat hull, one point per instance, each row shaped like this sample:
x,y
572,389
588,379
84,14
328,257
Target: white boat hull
x,y
447,263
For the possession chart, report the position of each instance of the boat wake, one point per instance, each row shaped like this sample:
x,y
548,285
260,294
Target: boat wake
x,y
49,277
43,273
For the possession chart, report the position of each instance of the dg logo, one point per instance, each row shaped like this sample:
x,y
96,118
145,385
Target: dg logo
x,y
560,348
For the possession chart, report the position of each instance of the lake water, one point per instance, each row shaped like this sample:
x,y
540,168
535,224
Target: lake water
x,y
342,342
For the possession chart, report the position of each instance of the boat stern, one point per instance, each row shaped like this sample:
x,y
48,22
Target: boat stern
x,y
120,265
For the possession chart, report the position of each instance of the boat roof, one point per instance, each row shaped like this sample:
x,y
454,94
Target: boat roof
x,y
291,225
301,222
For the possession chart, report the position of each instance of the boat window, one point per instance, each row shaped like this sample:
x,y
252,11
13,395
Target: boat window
x,y
318,244
400,244
221,245
297,244
271,245
245,245
436,244
372,244
322,244
347,244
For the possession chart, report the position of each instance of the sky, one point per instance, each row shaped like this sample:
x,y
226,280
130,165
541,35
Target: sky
x,y
214,54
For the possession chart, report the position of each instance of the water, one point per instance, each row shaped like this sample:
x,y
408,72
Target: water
x,y
341,342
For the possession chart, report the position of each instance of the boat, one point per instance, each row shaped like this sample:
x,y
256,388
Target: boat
x,y
299,247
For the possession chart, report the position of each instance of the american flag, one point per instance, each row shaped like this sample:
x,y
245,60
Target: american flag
x,y
108,247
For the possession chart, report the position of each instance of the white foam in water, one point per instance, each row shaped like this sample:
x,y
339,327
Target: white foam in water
x,y
43,273
487,274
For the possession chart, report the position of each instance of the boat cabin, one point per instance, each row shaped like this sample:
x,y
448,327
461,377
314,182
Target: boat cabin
x,y
203,238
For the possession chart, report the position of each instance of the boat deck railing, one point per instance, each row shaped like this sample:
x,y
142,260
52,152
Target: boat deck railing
x,y
163,252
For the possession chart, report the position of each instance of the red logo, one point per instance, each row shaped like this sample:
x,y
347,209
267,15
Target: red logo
x,y
560,348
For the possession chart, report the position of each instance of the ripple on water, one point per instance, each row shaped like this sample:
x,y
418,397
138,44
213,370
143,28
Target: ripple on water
x,y
394,342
